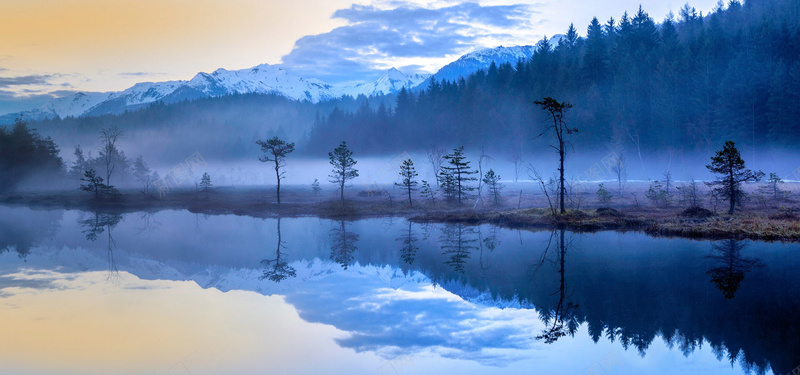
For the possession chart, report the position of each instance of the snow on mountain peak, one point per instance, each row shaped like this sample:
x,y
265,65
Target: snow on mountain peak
x,y
477,60
261,79
392,81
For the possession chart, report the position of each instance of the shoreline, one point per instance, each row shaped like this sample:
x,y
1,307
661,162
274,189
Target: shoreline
x,y
751,224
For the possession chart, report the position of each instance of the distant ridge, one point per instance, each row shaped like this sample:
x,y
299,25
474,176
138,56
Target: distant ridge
x,y
260,79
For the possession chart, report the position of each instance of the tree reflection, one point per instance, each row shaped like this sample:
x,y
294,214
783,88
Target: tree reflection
x,y
22,229
490,242
408,251
561,320
93,227
457,242
277,269
732,266
344,244
149,223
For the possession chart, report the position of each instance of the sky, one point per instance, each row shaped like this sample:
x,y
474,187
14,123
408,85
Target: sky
x,y
52,48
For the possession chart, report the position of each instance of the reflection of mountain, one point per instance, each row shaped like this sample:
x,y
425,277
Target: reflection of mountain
x,y
630,288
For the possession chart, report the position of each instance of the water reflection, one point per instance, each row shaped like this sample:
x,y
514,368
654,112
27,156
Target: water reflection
x,y
561,319
343,244
408,250
95,226
277,269
20,233
731,266
473,294
149,223
457,242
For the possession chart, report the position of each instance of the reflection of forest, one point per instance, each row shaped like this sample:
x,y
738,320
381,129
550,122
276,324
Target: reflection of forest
x,y
633,299
630,288
20,231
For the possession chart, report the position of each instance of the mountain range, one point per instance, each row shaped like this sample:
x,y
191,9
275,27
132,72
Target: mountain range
x,y
261,79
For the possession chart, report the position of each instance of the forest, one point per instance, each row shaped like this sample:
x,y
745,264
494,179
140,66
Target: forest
x,y
673,87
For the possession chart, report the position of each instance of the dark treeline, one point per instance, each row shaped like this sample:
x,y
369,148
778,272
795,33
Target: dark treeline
x,y
224,128
26,155
678,86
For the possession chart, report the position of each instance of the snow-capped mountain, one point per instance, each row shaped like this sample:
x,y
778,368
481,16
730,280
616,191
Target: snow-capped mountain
x,y
261,79
71,105
472,62
390,82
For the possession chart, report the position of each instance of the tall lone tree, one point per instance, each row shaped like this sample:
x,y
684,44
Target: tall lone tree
x,y
459,171
343,167
275,150
408,175
556,111
729,167
108,151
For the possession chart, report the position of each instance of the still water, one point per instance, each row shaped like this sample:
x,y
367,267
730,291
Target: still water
x,y
173,292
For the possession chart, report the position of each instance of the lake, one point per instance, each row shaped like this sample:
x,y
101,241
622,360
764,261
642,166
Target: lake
x,y
173,292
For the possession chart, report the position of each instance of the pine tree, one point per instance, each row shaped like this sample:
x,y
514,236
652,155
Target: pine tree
x,y
773,186
729,165
458,171
275,150
427,192
94,183
205,183
603,194
492,181
408,174
79,165
315,187
343,167
448,186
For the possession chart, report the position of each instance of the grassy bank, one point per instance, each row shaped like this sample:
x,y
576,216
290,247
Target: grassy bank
x,y
777,223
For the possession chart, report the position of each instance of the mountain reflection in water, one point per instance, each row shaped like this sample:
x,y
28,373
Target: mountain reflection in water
x,y
397,289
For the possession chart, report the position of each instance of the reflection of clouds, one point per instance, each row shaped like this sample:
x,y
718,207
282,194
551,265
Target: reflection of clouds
x,y
31,279
413,318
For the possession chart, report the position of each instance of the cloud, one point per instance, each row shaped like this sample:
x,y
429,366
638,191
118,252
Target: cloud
x,y
12,101
25,80
376,37
140,74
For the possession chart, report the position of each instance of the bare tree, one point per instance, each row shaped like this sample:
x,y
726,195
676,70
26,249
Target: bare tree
x,y
556,110
108,150
517,160
534,174
481,161
144,175
276,150
436,158
619,170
